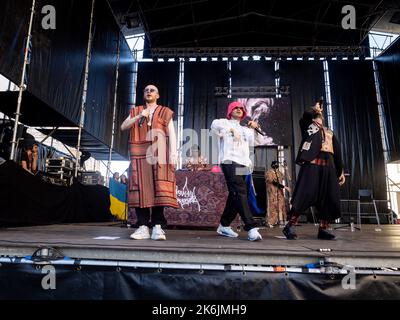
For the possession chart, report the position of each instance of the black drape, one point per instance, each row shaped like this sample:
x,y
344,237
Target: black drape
x,y
124,95
55,74
253,73
56,71
356,124
102,74
306,82
201,78
28,200
14,22
389,79
165,76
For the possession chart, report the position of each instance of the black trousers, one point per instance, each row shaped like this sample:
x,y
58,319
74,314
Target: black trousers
x,y
157,217
317,186
237,198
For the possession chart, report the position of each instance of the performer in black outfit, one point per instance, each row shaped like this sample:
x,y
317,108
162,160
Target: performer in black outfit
x,y
320,175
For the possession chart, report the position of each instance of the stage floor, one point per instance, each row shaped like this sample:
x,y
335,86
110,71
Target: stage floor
x,y
367,248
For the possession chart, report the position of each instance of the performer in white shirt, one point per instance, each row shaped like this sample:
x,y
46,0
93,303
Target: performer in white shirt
x,y
234,156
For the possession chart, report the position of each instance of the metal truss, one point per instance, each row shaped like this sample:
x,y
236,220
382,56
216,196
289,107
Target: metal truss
x,y
277,52
265,91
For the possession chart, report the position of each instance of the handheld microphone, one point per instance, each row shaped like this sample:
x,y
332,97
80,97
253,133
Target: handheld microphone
x,y
142,120
258,129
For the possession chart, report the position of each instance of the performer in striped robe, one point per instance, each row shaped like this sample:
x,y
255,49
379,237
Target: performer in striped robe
x,y
153,155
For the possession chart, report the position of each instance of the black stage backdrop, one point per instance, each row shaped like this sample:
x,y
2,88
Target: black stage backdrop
x,y
56,71
201,103
306,82
124,95
55,74
102,74
357,126
389,78
165,76
14,21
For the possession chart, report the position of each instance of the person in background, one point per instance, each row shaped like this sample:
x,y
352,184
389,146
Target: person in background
x,y
275,196
116,176
153,155
29,160
234,155
123,179
196,162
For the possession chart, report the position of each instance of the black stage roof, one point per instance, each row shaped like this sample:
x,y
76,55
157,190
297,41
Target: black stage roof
x,y
252,23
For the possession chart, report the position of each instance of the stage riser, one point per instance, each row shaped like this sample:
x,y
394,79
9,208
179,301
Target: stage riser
x,y
22,281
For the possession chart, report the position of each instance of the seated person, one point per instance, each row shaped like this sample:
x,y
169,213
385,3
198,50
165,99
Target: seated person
x,y
29,160
196,162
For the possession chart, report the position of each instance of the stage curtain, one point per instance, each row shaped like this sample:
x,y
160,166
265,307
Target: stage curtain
x,y
102,74
165,76
14,22
389,78
356,124
55,74
201,78
124,95
56,71
306,84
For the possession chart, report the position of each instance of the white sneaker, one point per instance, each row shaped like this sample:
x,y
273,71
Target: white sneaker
x,y
226,232
254,235
142,233
158,233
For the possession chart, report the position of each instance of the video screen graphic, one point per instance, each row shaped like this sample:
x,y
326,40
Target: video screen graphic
x,y
274,116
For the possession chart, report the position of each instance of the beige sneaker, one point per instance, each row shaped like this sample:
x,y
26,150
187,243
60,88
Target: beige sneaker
x,y
142,233
158,233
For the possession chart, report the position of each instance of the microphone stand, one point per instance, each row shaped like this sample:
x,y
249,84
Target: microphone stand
x,y
350,224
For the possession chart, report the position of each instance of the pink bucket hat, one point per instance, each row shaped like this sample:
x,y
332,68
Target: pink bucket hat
x,y
234,105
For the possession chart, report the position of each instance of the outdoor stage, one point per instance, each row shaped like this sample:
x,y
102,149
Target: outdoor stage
x,y
199,264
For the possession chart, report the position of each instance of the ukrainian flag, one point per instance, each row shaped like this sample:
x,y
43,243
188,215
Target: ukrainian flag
x,y
118,198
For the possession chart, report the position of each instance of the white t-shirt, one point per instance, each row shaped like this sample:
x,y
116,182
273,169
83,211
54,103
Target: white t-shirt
x,y
230,150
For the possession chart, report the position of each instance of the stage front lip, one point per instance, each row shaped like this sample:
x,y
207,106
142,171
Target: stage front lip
x,y
366,249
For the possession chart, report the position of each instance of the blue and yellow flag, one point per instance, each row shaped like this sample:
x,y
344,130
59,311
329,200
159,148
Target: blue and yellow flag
x,y
118,198
251,197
